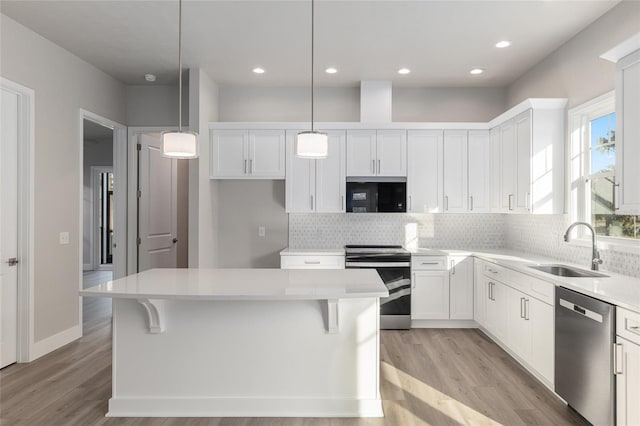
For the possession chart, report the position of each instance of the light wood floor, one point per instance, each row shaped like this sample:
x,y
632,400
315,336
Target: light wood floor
x,y
428,377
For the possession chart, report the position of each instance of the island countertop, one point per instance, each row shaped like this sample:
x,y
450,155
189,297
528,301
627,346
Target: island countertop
x,y
243,284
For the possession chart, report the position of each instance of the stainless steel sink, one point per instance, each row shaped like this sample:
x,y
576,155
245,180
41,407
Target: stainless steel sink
x,y
567,271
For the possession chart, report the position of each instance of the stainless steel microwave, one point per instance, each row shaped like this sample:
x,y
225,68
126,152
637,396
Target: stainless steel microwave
x,y
383,195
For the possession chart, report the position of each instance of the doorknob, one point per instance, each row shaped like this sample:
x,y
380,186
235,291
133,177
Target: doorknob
x,y
12,261
175,240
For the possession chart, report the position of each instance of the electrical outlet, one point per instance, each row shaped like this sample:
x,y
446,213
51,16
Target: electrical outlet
x,y
261,231
64,238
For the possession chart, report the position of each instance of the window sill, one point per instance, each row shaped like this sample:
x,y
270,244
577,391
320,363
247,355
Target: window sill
x,y
609,243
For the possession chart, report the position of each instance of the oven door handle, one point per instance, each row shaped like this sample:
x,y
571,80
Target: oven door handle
x,y
378,264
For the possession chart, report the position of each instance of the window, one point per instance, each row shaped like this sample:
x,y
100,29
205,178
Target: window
x,y
593,162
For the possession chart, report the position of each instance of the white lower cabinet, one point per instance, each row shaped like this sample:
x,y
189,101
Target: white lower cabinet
x,y
627,366
461,287
430,295
518,314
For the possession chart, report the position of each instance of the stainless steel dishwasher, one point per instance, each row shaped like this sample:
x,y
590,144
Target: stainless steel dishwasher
x,y
584,375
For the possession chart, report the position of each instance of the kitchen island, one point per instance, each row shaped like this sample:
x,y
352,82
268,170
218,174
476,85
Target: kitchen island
x,y
245,342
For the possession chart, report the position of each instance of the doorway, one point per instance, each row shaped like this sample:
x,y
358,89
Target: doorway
x,y
103,217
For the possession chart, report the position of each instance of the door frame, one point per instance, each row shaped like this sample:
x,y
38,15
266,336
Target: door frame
x,y
120,197
94,237
26,167
132,191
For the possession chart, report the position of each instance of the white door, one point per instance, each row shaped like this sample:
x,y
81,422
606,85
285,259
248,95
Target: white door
x,y
542,354
507,166
300,179
330,176
8,228
455,171
481,295
522,124
158,182
461,288
361,153
430,295
518,326
424,171
391,149
266,153
496,310
479,159
496,171
628,384
229,153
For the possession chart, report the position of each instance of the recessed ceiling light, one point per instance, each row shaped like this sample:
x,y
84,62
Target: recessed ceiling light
x,y
258,70
476,71
404,71
502,44
331,70
150,78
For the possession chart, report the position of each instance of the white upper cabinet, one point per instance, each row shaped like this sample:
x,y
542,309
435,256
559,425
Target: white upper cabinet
x,y
316,185
455,171
479,160
522,131
507,166
424,171
377,153
628,135
242,154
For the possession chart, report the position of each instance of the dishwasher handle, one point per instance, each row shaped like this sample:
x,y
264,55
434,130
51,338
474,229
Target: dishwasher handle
x,y
581,311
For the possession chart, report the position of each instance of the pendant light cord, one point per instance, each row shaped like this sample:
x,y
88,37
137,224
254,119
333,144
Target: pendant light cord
x,y
180,67
312,48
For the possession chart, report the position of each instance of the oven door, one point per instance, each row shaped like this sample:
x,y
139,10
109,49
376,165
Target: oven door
x,y
395,310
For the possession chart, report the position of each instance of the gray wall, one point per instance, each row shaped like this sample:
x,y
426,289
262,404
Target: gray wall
x,y
575,70
246,206
155,105
63,84
98,152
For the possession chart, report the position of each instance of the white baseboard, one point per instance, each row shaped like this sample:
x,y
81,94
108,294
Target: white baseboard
x,y
243,407
444,324
54,342
87,267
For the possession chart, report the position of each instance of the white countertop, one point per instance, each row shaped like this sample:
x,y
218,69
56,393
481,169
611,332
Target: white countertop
x,y
312,252
243,284
620,290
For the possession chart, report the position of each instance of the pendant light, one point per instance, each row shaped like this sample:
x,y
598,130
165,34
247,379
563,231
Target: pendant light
x,y
180,143
312,144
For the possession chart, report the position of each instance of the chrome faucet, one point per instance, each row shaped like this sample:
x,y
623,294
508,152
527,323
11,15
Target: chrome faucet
x,y
595,254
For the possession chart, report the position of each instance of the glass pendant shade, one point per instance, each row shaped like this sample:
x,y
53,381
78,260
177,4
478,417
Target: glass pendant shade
x,y
312,145
182,144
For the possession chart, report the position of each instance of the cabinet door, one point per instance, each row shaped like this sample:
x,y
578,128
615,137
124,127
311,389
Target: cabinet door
x,y
522,130
496,171
300,179
628,384
507,166
518,337
541,356
430,295
628,138
461,287
455,171
229,156
424,171
496,318
330,176
266,154
391,153
361,153
481,294
479,163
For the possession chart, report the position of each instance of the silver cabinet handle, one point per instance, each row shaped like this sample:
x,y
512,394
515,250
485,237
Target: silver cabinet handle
x,y
244,167
522,307
410,204
373,166
250,166
311,199
446,202
453,267
342,201
430,263
616,196
618,358
379,167
311,262
528,201
526,309
12,261
491,291
471,203
510,201
493,271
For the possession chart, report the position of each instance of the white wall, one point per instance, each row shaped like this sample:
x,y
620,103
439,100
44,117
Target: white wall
x,y
150,105
98,152
575,70
451,104
63,84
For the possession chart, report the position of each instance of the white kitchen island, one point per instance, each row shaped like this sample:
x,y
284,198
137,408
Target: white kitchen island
x,y
245,342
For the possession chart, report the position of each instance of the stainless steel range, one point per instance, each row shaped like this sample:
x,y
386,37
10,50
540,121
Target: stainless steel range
x,y
393,264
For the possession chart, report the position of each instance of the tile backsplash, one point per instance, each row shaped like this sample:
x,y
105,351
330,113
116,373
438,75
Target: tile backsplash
x,y
537,234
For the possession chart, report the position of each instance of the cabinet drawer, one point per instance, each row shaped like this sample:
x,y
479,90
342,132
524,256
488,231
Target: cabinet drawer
x,y
496,272
429,263
534,287
311,262
628,324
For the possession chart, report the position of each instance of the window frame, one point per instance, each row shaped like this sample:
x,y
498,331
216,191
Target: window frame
x,y
579,167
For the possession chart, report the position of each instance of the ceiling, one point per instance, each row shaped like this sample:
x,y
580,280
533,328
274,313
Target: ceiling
x,y
96,132
439,41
